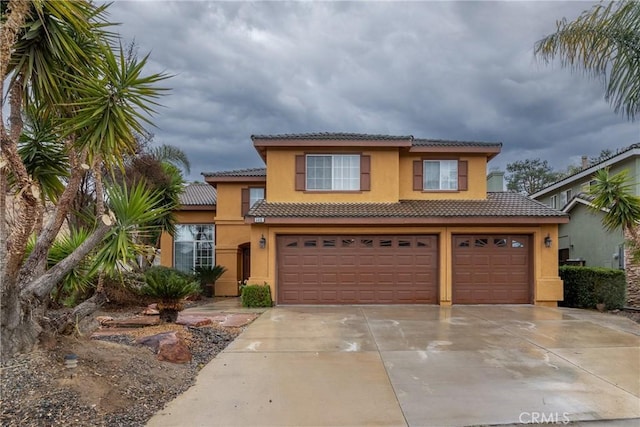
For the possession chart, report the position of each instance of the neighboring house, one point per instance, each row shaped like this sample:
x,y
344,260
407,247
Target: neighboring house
x,y
193,244
597,247
341,218
584,240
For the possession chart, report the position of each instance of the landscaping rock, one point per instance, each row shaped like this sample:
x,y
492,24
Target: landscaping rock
x,y
193,321
151,310
238,320
168,346
133,322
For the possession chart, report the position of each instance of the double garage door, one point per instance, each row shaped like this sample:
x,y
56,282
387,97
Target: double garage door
x,y
400,269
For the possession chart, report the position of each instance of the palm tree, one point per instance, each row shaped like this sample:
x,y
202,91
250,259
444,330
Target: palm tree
x,y
614,195
604,42
58,57
171,154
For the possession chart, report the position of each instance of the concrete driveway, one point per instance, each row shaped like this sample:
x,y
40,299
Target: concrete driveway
x,y
419,366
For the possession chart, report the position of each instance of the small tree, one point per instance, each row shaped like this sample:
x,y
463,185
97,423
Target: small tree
x,y
529,176
614,195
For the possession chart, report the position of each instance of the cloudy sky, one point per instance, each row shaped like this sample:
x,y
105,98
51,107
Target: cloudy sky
x,y
448,70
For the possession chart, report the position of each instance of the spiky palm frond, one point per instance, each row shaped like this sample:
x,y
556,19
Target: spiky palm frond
x,y
603,42
56,36
173,155
113,104
168,284
135,210
42,153
79,279
614,194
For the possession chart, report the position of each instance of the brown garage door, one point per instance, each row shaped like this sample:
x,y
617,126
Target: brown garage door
x,y
491,269
357,269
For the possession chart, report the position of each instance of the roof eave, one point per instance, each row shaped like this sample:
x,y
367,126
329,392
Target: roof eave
x,y
410,221
213,180
489,152
587,172
196,208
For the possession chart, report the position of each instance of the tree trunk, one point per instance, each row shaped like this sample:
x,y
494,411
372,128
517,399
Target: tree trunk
x,y
23,302
66,324
19,329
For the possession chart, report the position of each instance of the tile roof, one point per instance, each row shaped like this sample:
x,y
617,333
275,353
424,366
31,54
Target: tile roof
x,y
333,135
450,143
501,204
421,142
198,194
618,156
238,172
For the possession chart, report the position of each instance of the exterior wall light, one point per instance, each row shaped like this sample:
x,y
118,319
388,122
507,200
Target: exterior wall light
x,y
263,242
548,241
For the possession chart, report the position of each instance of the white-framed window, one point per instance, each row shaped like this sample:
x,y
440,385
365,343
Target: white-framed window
x,y
333,172
193,246
255,195
554,202
565,196
440,174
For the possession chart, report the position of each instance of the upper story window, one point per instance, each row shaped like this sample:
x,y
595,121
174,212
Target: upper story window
x,y
250,196
333,172
554,202
565,196
255,195
440,175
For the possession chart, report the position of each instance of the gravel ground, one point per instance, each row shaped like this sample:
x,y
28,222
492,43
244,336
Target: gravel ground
x,y
116,383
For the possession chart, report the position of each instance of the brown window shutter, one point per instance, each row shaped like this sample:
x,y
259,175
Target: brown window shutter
x,y
418,185
245,201
463,173
301,177
365,173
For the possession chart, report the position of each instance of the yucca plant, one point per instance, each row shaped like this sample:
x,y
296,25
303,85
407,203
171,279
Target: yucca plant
x,y
170,287
207,276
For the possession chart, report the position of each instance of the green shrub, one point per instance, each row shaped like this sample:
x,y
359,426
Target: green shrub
x,y
209,274
256,296
584,287
170,286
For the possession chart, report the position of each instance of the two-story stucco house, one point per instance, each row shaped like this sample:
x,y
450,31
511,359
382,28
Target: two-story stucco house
x,y
338,218
584,240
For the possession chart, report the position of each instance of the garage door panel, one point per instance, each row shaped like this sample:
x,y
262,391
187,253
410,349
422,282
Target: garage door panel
x,y
491,269
357,269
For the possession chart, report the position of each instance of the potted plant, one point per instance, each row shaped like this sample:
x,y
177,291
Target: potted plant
x,y
207,276
170,287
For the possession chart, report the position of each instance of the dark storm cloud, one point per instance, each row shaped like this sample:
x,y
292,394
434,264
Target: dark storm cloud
x,y
452,70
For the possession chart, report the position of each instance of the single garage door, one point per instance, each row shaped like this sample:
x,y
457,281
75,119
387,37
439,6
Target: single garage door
x,y
357,269
491,269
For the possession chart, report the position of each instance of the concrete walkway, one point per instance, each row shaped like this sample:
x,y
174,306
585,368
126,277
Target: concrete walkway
x,y
419,366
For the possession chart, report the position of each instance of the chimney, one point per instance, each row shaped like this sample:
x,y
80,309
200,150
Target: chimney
x,y
585,162
495,181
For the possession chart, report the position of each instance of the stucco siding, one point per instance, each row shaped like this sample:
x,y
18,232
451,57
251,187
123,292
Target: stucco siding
x,y
586,239
477,182
281,177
